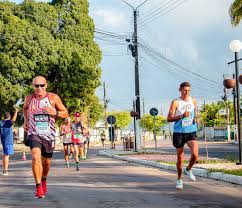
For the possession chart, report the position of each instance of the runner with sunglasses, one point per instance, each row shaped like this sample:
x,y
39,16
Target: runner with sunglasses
x,y
41,109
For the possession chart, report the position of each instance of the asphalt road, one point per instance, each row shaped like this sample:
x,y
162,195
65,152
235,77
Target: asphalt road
x,y
107,183
220,150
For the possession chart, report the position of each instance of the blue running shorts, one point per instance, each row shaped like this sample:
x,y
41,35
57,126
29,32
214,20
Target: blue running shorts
x,y
8,149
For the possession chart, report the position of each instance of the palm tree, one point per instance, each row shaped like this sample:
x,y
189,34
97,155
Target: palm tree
x,y
235,12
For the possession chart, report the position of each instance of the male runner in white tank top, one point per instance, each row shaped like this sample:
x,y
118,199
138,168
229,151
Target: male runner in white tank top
x,y
41,110
183,111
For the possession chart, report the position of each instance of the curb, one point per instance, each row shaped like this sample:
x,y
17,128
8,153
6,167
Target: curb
x,y
197,171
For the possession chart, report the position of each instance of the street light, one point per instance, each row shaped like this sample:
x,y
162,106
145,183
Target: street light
x,y
235,46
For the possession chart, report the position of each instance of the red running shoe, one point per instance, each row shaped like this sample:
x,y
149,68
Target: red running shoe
x,y
44,186
39,192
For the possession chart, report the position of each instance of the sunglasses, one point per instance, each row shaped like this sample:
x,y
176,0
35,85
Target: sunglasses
x,y
39,85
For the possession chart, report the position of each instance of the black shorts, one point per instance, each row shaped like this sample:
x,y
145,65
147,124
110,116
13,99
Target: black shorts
x,y
66,144
46,147
180,139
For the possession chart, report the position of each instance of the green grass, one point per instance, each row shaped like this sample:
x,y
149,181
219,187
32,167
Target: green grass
x,y
141,153
231,172
162,161
230,157
198,162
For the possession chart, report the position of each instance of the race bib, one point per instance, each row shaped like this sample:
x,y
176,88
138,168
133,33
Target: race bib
x,y
67,138
187,121
42,122
68,135
79,137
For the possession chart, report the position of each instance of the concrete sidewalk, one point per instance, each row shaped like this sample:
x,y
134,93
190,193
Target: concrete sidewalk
x,y
153,160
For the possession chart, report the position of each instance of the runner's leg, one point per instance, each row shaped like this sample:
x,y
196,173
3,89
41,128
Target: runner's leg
x,y
46,162
5,162
76,150
193,145
180,158
81,150
71,150
66,156
37,167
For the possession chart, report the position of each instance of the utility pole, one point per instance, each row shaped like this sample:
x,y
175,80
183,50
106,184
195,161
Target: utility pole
x,y
235,114
204,132
134,49
137,90
225,99
135,130
144,123
105,103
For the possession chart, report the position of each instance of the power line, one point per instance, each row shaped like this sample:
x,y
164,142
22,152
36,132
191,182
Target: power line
x,y
114,42
175,64
161,6
104,54
177,74
175,70
149,20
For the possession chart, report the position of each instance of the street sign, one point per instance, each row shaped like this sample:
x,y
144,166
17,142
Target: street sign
x,y
153,111
222,112
111,119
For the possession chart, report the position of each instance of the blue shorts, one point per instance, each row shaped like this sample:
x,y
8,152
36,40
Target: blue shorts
x,y
8,149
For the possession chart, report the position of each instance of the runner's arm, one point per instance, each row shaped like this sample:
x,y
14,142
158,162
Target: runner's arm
x,y
15,114
26,110
61,110
171,115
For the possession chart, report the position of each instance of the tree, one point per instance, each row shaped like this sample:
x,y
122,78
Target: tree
x,y
123,119
235,12
96,111
147,122
55,40
210,114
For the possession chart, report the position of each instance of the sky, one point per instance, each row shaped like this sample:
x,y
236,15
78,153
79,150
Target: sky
x,y
192,34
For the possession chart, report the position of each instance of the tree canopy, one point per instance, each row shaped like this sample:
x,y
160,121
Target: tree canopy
x,y
123,119
55,40
209,114
147,122
235,12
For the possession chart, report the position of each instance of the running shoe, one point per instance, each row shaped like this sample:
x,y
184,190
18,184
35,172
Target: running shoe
x,y
39,192
190,175
67,164
44,187
179,184
5,173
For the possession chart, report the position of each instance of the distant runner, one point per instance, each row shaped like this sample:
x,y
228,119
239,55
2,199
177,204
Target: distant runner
x,y
67,139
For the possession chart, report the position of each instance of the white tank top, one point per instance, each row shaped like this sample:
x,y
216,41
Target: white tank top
x,y
186,124
40,123
184,106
